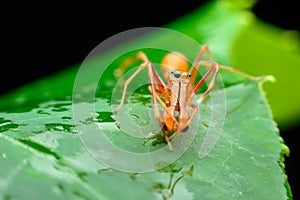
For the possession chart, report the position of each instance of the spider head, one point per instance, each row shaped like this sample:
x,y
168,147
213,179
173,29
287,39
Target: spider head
x,y
175,62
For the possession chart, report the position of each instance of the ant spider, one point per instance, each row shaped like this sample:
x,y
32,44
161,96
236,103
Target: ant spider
x,y
179,90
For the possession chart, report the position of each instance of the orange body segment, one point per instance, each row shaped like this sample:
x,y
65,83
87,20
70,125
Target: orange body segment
x,y
168,120
174,61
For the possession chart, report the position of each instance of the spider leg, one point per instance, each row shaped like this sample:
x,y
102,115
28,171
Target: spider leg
x,y
194,69
214,66
139,56
163,105
197,63
154,81
231,69
155,84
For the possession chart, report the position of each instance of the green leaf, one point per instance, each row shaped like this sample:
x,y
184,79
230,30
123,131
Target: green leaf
x,y
43,151
42,155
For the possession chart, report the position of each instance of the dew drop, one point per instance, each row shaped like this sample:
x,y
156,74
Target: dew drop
x,y
4,156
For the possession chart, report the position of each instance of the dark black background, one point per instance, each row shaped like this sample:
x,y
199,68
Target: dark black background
x,y
42,38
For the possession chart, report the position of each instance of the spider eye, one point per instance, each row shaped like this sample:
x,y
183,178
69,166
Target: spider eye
x,y
177,74
184,75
